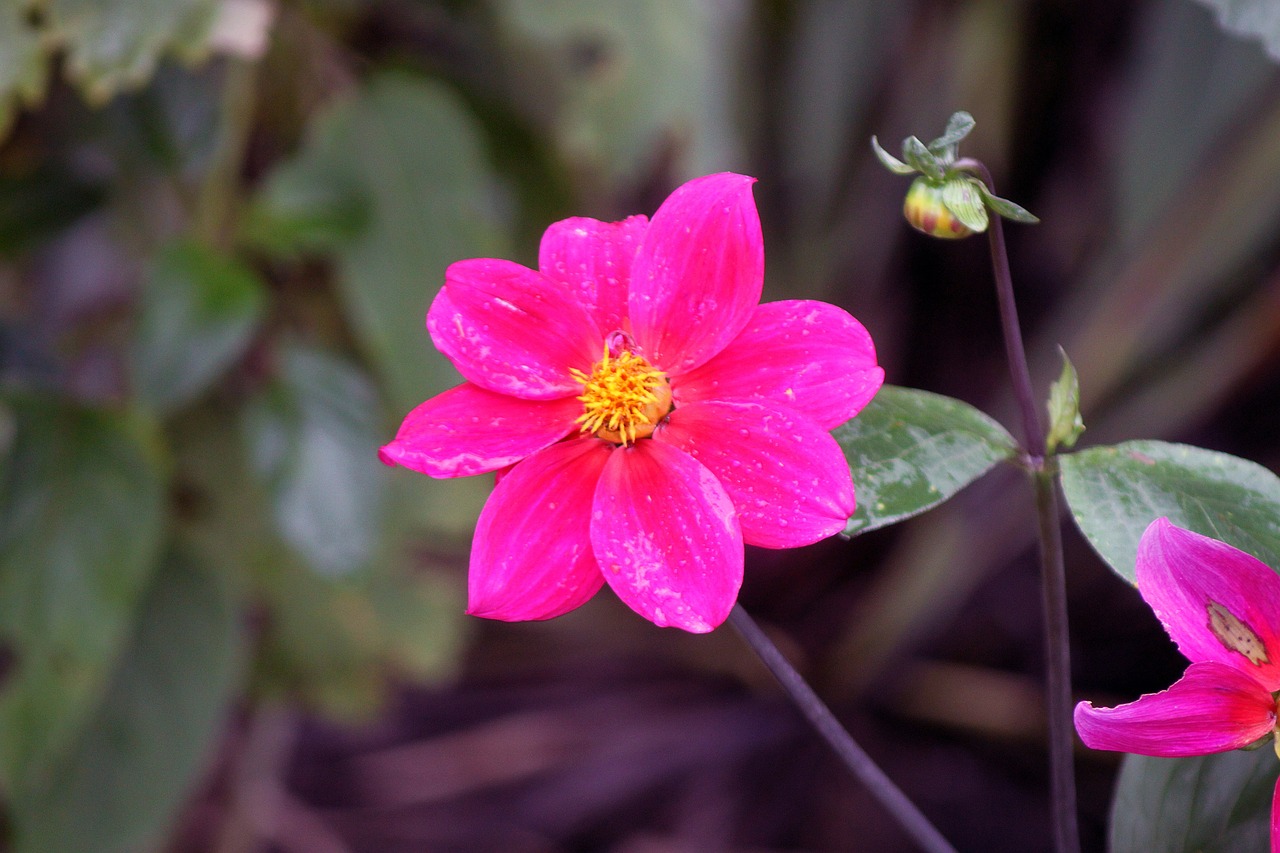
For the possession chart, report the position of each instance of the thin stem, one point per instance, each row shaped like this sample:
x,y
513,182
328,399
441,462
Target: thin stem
x,y
1062,777
1016,354
219,193
1062,783
854,757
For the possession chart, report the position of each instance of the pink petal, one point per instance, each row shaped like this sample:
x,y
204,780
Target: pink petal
x,y
531,556
1212,708
1217,602
699,272
787,478
666,537
593,260
468,430
512,330
805,356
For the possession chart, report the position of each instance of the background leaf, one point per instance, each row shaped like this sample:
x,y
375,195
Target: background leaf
x,y
911,450
197,313
625,78
22,62
404,192
1210,804
115,44
1114,493
134,763
1254,19
81,507
312,439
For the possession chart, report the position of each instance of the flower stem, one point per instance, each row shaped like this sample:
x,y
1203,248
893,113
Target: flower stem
x,y
854,757
1062,783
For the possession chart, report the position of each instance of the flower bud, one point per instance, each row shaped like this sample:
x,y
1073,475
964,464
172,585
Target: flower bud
x,y
925,210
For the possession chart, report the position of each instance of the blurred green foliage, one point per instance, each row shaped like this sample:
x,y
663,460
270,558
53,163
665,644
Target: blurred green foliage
x,y
214,267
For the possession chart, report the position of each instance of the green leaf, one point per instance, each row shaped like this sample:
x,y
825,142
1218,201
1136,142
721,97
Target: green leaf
x,y
893,164
1005,208
22,62
198,311
313,439
1065,423
958,127
1253,19
1115,492
116,44
81,508
136,760
624,77
911,450
393,180
921,158
1211,804
961,196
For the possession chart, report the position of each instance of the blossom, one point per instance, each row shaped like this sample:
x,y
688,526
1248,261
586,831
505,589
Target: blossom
x,y
645,415
1221,607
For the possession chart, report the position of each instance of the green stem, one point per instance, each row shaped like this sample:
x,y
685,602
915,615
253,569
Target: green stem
x,y
220,190
1062,783
854,757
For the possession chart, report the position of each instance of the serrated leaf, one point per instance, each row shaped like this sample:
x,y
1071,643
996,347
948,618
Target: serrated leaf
x,y
312,437
921,158
116,44
1005,208
23,62
1210,804
1114,493
959,125
911,450
197,313
961,196
1254,19
1065,423
893,164
129,772
81,507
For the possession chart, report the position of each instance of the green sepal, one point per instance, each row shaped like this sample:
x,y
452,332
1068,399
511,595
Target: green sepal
x,y
893,164
1065,423
1005,208
921,158
958,127
965,203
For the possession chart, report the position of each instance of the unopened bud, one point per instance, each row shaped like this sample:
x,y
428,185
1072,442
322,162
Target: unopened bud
x,y
925,210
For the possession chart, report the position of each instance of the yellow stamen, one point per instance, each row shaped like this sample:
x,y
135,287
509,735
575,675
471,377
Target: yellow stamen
x,y
623,398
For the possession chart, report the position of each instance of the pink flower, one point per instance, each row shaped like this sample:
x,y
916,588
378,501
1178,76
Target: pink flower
x,y
656,416
1222,608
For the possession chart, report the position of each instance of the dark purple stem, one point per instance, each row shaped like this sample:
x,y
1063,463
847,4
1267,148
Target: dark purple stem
x,y
854,757
1062,781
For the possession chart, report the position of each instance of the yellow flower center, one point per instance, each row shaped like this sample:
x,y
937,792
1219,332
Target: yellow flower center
x,y
623,398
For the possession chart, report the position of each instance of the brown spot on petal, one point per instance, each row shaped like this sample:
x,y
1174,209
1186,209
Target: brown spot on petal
x,y
1233,633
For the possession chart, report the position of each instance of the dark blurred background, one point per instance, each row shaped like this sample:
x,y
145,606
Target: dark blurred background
x,y
224,627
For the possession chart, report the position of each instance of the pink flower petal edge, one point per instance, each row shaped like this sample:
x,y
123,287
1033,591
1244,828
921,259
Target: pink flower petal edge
x,y
531,557
593,259
512,330
699,272
666,537
468,430
1212,708
787,477
1217,602
810,357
